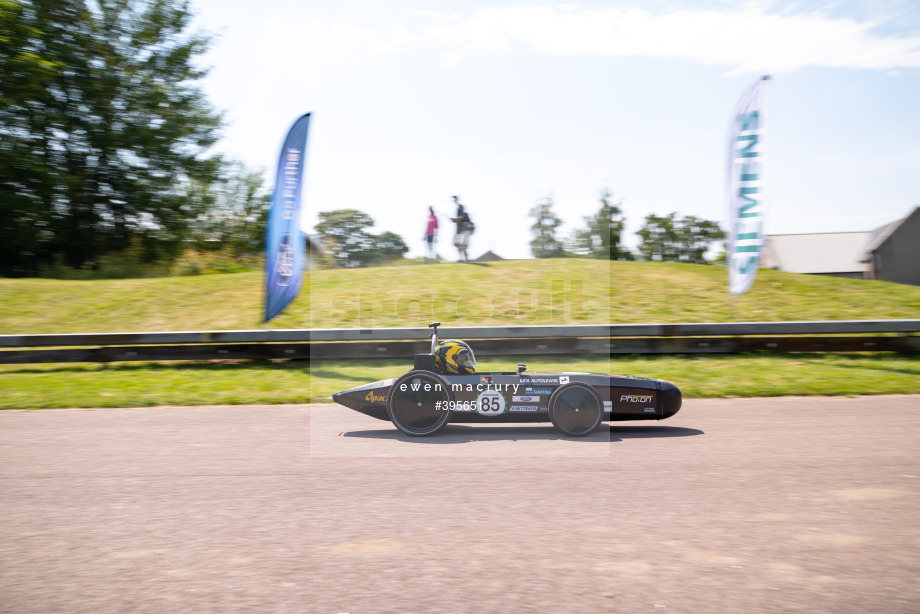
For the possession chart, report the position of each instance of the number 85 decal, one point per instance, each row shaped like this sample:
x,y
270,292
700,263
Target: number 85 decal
x,y
490,403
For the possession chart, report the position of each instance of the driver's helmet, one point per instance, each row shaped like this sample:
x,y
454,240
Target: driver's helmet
x,y
454,357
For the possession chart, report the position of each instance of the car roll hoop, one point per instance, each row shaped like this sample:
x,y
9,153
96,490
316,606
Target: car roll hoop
x,y
434,335
425,362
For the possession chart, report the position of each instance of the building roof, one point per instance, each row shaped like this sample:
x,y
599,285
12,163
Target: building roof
x,y
489,256
826,252
881,234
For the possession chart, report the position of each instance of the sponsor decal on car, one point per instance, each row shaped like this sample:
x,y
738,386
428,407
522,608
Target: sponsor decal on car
x,y
608,405
563,379
649,410
540,380
634,398
525,399
538,390
375,398
524,408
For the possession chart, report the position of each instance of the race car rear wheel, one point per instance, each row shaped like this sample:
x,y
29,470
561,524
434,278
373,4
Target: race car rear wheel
x,y
576,409
419,403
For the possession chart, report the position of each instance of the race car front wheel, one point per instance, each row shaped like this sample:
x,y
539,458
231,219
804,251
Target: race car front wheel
x,y
419,403
576,409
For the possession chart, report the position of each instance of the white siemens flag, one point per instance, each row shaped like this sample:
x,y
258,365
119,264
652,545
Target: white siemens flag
x,y
747,147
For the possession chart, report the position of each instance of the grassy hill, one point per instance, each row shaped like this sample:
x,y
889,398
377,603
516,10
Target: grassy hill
x,y
503,293
522,292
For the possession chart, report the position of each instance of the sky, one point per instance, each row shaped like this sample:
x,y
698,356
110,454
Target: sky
x,y
508,103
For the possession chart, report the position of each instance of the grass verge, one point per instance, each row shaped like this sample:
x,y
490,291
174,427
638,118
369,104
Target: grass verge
x,y
509,293
148,384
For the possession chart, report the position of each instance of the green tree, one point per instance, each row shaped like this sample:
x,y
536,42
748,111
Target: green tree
x,y
345,237
696,236
103,130
233,211
544,243
602,237
672,239
388,246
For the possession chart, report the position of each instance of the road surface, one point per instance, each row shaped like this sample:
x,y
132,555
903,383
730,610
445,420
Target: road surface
x,y
754,505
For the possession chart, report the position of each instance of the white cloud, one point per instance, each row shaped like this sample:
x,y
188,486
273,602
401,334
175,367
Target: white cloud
x,y
746,40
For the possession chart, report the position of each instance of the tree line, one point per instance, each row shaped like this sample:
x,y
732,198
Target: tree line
x,y
667,238
105,138
346,241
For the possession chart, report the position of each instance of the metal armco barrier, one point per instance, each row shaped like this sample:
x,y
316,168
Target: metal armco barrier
x,y
711,338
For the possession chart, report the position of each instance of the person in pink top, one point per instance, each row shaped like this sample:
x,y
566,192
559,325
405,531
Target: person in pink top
x,y
431,231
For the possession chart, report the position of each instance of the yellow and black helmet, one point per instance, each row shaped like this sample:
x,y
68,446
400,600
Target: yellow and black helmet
x,y
454,357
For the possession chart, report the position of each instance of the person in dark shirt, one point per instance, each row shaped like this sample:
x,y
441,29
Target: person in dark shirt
x,y
464,230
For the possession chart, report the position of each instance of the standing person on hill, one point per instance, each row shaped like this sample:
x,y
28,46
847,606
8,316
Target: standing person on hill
x,y
465,228
431,231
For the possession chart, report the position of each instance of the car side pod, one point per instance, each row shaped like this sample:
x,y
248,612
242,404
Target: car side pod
x,y
671,399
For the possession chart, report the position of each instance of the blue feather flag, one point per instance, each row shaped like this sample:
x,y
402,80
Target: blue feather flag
x,y
285,243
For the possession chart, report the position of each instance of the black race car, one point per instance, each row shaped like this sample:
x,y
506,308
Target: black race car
x,y
425,399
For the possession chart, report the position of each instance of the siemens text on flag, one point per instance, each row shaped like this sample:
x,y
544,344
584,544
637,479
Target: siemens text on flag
x,y
285,243
746,185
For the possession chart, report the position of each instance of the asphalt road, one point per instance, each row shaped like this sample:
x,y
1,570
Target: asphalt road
x,y
772,505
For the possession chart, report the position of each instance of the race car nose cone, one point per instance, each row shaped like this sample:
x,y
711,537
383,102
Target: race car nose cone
x,y
671,399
